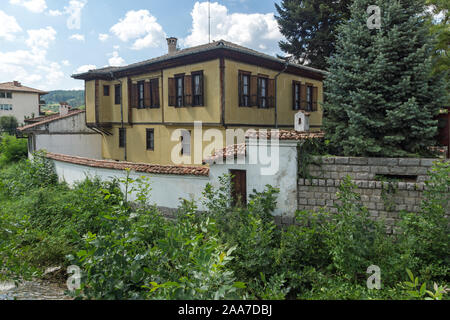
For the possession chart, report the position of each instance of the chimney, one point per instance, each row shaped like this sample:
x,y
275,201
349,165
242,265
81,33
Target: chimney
x,y
172,43
63,108
302,121
17,84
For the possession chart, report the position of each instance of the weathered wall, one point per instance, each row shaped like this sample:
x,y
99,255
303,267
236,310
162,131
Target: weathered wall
x,y
79,145
384,200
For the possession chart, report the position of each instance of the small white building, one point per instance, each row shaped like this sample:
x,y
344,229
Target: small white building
x,y
63,133
20,101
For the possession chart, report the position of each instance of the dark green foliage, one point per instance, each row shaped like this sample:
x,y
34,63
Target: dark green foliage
x,y
129,251
8,124
381,99
309,27
12,149
426,236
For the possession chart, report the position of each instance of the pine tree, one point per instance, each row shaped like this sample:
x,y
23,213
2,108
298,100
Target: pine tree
x,y
381,97
309,27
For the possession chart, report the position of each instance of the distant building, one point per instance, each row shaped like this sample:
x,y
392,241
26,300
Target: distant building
x,y
20,101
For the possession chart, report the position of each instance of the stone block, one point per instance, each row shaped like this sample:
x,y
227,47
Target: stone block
x,y
427,162
358,161
328,160
409,162
341,160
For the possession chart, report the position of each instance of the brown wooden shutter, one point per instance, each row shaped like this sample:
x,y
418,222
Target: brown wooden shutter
x,y
172,92
294,107
188,90
315,98
202,89
147,95
254,91
155,93
134,95
271,93
240,83
303,102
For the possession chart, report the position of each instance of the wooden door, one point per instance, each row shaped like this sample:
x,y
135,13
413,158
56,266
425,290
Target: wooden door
x,y
239,191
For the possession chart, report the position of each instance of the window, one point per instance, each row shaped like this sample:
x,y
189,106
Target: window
x,y
2,95
186,143
6,107
150,139
179,89
9,95
296,87
244,89
141,103
197,89
309,98
122,137
106,91
117,94
262,93
154,93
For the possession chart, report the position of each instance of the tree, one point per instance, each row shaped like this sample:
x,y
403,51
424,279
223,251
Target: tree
x,y
8,124
441,30
309,27
381,96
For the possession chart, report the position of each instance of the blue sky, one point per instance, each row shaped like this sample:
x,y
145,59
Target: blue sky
x,y
43,42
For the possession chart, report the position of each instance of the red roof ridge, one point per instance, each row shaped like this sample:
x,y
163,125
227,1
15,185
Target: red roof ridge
x,y
51,118
138,167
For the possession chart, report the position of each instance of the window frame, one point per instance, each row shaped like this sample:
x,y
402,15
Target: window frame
x,y
198,100
141,94
106,90
150,146
8,95
122,138
309,98
178,103
4,95
264,78
242,96
117,94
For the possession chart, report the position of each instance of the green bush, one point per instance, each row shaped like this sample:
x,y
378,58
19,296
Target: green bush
x,y
8,124
12,149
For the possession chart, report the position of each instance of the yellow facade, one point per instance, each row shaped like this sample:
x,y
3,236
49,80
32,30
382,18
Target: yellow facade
x,y
101,111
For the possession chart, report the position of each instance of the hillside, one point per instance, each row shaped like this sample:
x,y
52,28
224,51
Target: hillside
x,y
75,98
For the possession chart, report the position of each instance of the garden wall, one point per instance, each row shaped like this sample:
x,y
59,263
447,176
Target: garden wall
x,y
387,186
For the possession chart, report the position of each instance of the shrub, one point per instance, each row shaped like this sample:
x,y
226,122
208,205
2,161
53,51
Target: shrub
x,y
8,124
12,149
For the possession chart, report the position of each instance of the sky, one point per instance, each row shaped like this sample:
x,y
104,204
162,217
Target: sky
x,y
44,42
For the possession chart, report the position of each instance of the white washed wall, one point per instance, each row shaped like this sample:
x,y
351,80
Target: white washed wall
x,y
167,190
79,145
285,179
24,104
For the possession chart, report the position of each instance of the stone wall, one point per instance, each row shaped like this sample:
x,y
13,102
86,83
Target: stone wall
x,y
384,200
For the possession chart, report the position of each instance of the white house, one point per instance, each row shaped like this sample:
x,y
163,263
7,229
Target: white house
x,y
64,133
20,101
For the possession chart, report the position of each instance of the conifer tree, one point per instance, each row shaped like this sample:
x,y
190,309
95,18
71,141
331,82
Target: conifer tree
x,y
381,96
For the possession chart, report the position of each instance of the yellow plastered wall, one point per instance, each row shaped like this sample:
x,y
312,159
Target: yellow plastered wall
x,y
210,113
90,101
265,117
165,142
108,110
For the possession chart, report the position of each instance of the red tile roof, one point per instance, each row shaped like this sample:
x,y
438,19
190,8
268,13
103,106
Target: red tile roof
x,y
138,167
49,119
286,135
12,86
232,151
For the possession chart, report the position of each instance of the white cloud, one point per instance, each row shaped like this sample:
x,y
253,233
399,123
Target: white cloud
x,y
65,63
55,13
85,68
78,37
257,31
116,60
116,47
40,38
36,6
74,11
32,66
8,27
103,37
142,26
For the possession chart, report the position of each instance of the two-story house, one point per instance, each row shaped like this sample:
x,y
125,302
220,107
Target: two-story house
x,y
20,101
138,107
